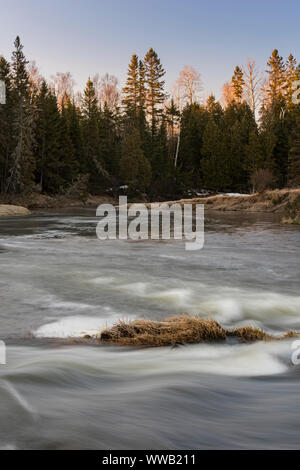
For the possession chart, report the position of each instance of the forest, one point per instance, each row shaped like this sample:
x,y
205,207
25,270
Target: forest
x,y
152,143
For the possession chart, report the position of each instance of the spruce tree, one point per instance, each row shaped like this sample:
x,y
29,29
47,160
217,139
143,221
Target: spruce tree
x,y
277,77
172,113
154,82
214,165
238,84
294,156
48,137
72,114
291,74
135,169
254,158
131,90
91,139
193,123
6,140
22,160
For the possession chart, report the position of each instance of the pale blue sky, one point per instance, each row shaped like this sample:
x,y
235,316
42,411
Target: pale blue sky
x,y
90,36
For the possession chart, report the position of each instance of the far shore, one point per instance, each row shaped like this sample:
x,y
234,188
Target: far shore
x,y
284,202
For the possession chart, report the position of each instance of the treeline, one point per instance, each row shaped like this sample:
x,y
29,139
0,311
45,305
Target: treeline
x,y
52,140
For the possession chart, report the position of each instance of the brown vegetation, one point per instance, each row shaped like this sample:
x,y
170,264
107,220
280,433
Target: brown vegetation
x,y
273,201
43,201
184,329
292,212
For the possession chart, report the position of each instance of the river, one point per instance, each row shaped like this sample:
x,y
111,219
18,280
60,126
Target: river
x,y
58,281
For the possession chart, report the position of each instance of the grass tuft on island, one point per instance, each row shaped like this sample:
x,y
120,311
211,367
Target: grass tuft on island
x,y
180,330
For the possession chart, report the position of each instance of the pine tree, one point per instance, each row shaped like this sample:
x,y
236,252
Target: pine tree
x,y
109,141
135,169
172,113
162,164
238,84
142,86
5,124
254,153
69,166
291,73
154,82
277,78
132,89
73,116
214,165
193,123
215,109
48,137
22,159
294,154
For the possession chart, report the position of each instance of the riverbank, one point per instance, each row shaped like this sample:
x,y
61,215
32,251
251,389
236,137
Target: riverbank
x,y
269,201
7,210
284,202
37,201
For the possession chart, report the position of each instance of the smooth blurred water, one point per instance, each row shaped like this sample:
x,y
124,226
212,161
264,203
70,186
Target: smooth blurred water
x,y
58,281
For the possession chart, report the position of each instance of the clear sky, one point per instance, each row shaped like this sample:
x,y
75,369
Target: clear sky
x,y
90,36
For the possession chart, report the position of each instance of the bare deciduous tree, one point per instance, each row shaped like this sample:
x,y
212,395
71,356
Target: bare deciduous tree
x,y
35,78
227,94
63,86
253,84
110,93
262,179
97,85
189,85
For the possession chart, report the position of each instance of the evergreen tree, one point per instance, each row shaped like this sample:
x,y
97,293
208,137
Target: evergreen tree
x,y
238,84
48,137
109,141
214,109
193,123
214,165
154,82
277,78
291,72
22,160
69,166
91,139
135,169
73,116
254,158
294,153
142,86
172,113
6,138
131,91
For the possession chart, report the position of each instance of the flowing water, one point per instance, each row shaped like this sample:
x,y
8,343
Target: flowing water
x,y
57,281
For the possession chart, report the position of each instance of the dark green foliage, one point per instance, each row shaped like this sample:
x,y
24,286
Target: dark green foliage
x,y
135,168
294,155
238,84
84,146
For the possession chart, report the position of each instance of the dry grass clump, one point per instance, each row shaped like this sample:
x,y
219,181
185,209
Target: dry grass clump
x,y
179,329
183,329
250,333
